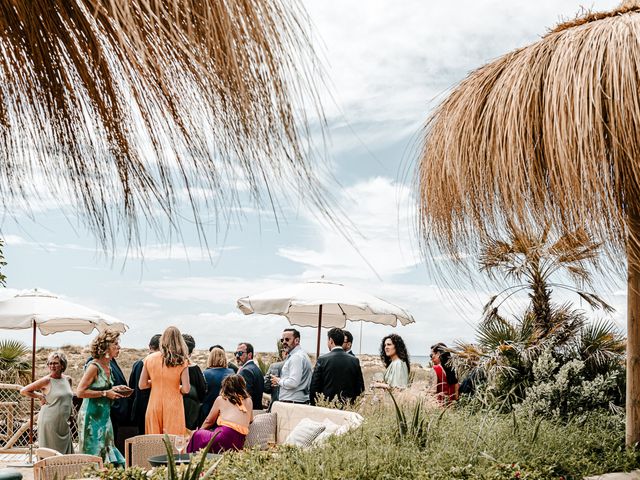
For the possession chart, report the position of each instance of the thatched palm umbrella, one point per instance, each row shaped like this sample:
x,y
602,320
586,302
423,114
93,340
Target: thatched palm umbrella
x,y
549,132
123,105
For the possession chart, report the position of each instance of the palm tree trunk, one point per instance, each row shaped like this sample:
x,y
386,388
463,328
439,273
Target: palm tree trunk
x,y
541,302
633,329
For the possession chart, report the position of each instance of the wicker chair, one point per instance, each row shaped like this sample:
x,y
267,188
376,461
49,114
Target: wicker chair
x,y
59,467
44,452
138,449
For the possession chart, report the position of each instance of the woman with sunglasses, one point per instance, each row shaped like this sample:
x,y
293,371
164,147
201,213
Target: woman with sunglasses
x,y
446,387
55,395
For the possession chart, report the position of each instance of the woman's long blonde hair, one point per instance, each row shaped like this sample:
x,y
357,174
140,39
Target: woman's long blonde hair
x,y
173,347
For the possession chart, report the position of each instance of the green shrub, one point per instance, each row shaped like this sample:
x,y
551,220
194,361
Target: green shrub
x,y
563,391
461,443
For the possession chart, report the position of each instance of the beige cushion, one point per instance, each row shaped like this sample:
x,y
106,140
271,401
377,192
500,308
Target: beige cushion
x,y
262,431
330,429
305,433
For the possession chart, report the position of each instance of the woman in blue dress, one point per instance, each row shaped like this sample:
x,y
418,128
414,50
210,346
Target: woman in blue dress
x,y
217,370
94,419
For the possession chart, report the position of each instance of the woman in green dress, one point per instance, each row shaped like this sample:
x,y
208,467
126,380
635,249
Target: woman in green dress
x,y
55,394
94,419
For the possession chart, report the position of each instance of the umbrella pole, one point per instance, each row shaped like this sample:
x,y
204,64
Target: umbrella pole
x,y
319,330
633,329
33,379
29,463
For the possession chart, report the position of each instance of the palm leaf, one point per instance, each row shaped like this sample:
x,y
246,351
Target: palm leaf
x,y
14,366
600,345
595,301
12,350
495,331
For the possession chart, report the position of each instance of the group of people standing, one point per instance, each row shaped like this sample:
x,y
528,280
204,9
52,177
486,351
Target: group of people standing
x,y
173,395
394,355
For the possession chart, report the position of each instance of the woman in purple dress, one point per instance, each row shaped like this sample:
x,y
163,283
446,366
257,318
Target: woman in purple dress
x,y
232,411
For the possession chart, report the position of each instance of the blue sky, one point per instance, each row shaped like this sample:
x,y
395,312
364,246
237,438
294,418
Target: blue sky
x,y
387,65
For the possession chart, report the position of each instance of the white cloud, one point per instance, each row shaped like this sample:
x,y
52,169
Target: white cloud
x,y
382,212
173,251
388,64
215,290
176,251
13,240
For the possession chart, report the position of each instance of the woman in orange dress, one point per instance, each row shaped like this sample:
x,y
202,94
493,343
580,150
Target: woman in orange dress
x,y
166,373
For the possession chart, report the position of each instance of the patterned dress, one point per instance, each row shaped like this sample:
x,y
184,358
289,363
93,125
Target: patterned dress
x,y
94,423
53,419
165,412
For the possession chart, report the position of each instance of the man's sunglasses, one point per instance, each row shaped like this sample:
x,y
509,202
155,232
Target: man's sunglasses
x,y
239,353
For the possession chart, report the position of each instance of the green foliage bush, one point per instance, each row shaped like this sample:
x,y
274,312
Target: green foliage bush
x,y
562,391
461,443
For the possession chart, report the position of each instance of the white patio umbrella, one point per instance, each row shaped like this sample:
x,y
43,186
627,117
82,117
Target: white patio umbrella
x,y
41,310
324,304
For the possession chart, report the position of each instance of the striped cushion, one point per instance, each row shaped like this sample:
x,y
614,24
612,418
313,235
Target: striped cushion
x,y
262,431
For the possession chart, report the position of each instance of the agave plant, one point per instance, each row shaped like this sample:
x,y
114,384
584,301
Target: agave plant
x,y
13,367
262,365
192,472
416,427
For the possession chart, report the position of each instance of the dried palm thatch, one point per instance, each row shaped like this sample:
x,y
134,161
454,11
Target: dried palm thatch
x,y
128,104
547,133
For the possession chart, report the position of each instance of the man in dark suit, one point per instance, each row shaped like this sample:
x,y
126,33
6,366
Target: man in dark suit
x,y
141,397
251,373
337,375
348,342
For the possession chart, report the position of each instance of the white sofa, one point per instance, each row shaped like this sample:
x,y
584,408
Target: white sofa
x,y
276,426
290,414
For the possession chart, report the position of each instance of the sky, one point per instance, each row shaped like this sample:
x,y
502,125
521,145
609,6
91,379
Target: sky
x,y
387,65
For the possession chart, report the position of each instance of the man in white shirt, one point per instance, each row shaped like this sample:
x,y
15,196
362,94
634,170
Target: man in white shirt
x,y
296,374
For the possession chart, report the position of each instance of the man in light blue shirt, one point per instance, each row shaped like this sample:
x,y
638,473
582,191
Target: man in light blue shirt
x,y
296,374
